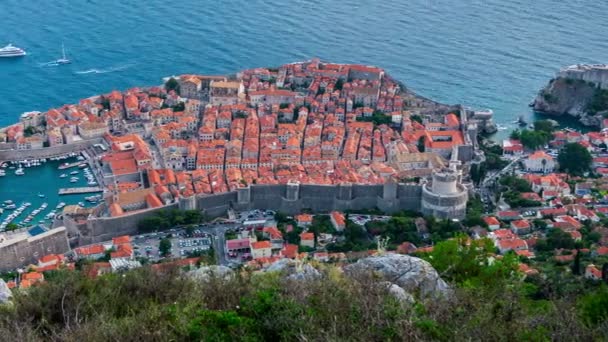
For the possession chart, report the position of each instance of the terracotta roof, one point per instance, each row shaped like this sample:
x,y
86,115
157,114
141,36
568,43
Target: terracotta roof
x,y
307,236
261,244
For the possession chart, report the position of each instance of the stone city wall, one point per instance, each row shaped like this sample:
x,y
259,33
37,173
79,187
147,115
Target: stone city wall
x,y
27,251
11,155
324,198
101,229
318,198
597,75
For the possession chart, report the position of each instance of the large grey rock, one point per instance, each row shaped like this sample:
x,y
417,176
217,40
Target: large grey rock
x,y
208,272
292,270
5,292
413,275
398,292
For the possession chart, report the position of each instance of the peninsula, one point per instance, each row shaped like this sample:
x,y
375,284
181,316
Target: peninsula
x,y
308,179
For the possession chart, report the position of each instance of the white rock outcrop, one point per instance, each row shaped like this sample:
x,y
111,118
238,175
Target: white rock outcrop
x,y
293,270
208,272
5,292
413,275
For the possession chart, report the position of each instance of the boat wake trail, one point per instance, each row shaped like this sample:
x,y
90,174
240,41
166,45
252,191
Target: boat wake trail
x,y
48,64
104,71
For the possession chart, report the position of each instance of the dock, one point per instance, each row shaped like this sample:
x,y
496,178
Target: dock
x,y
83,190
67,166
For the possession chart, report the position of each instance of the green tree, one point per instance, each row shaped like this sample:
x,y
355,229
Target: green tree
x,y
574,159
172,84
576,265
599,101
534,139
421,144
471,262
339,84
515,183
164,247
11,226
593,307
556,238
192,216
544,126
478,172
416,118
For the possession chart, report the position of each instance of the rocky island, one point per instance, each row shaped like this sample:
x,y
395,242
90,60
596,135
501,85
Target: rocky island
x,y
578,90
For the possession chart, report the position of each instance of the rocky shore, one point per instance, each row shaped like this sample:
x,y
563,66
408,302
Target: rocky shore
x,y
577,91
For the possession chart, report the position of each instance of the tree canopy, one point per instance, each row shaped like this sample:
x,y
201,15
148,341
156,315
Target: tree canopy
x,y
534,139
165,219
164,247
544,126
172,84
471,261
574,159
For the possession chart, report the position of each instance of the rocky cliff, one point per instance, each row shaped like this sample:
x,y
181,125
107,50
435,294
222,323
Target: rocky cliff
x,y
575,97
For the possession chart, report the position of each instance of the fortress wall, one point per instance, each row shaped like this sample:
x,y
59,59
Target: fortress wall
x,y
367,190
318,198
597,76
444,207
28,251
268,191
216,205
409,196
265,197
318,191
10,155
7,146
105,228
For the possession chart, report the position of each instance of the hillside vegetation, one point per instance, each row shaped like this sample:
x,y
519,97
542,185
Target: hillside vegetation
x,y
491,301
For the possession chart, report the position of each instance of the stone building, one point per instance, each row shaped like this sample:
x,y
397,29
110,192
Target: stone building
x,y
25,246
445,197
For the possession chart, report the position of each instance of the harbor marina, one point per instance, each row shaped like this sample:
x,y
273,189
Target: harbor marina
x,y
38,186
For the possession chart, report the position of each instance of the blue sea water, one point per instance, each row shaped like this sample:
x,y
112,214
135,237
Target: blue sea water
x,y
482,53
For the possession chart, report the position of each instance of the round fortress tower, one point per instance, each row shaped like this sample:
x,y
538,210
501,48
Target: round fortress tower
x,y
445,197
445,182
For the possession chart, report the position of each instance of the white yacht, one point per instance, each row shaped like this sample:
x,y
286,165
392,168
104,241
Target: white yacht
x,y
11,51
19,172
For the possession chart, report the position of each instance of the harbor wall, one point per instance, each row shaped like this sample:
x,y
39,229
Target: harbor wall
x,y
20,252
13,155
